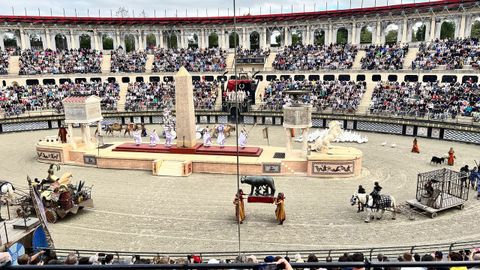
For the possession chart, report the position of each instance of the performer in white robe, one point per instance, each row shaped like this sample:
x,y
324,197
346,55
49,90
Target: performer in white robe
x,y
207,138
137,136
168,137
154,139
221,136
242,138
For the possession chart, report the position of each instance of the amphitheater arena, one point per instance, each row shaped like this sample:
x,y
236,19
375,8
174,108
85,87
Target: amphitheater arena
x,y
135,211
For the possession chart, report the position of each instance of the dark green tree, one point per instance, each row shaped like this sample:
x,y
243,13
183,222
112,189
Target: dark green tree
x,y
475,33
366,35
85,42
213,40
419,34
447,31
129,43
151,41
233,40
107,42
319,37
391,37
342,36
254,40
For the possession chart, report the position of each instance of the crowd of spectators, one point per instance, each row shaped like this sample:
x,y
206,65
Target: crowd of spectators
x,y
150,96
131,62
283,263
15,100
384,57
194,60
426,99
257,53
48,61
342,96
453,54
315,57
4,60
159,95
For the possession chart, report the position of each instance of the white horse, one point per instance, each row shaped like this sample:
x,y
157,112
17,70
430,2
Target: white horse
x,y
7,194
387,202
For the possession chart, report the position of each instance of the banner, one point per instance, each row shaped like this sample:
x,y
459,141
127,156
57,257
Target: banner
x,y
265,132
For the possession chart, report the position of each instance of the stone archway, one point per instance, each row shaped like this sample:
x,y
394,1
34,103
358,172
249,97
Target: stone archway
x,y
129,43
61,42
254,40
192,40
276,38
10,40
319,37
151,41
447,30
419,30
85,41
475,31
36,42
213,40
233,40
391,33
342,35
172,40
107,42
297,37
366,35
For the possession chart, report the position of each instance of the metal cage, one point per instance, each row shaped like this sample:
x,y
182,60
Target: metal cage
x,y
442,189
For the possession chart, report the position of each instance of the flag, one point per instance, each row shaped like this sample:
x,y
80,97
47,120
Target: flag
x,y
265,132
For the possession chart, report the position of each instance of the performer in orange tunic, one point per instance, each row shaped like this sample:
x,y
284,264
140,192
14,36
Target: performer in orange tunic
x,y
451,157
239,206
280,211
415,148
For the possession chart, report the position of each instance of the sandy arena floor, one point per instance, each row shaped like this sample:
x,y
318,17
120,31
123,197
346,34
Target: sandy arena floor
x,y
135,211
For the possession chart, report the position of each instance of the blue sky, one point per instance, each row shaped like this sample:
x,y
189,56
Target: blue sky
x,y
181,7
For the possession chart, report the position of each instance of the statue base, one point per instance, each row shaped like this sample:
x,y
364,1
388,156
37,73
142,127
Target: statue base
x,y
261,199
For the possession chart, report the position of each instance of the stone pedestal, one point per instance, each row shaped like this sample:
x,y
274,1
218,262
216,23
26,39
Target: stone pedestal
x,y
297,117
184,109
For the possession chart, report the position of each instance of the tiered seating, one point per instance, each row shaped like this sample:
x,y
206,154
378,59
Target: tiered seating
x,y
335,95
60,62
194,60
384,57
453,54
132,62
15,100
160,95
313,57
432,100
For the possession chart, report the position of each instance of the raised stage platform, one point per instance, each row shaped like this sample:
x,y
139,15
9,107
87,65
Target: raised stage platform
x,y
199,149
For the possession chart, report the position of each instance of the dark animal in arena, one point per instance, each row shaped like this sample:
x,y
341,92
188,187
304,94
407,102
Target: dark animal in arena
x,y
437,160
258,182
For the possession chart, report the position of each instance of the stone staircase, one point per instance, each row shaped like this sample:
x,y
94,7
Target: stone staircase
x,y
269,61
366,99
407,61
230,61
13,65
123,97
149,63
358,58
171,168
106,65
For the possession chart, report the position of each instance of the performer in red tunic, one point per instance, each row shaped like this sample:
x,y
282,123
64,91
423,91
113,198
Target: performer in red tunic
x,y
415,148
451,157
62,133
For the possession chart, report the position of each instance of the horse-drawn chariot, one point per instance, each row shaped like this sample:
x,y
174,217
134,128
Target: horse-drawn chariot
x,y
439,190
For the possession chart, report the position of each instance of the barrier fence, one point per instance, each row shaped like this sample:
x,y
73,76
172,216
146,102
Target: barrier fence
x,y
392,252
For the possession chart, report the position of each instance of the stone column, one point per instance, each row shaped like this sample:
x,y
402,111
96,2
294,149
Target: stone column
x,y
73,44
88,141
433,29
184,109
305,142
117,41
308,36
405,31
244,38
288,133
354,33
461,33
264,43
95,40
201,39
378,34
330,33
24,40
70,137
47,39
160,39
286,40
